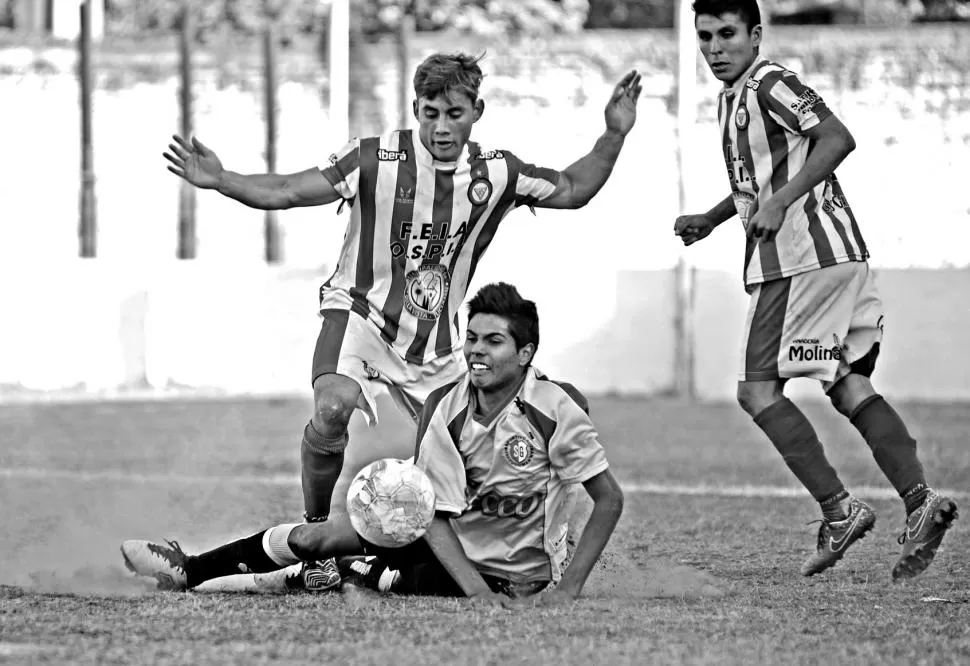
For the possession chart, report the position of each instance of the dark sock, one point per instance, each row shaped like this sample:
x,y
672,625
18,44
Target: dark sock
x,y
795,439
916,496
322,458
242,556
892,447
835,507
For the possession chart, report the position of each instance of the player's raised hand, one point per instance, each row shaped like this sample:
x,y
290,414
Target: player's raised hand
x,y
621,110
193,162
692,228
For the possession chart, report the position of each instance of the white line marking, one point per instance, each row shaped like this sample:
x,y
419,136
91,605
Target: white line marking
x,y
648,488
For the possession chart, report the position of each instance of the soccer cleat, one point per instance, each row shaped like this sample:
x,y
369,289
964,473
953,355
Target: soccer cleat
x,y
367,572
925,528
166,564
835,537
321,576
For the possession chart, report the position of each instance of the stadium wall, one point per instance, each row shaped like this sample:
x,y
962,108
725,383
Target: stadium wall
x,y
94,329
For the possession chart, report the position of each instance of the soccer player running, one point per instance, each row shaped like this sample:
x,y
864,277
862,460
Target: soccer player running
x,y
500,446
424,206
814,310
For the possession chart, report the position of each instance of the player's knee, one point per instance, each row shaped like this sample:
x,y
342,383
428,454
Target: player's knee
x,y
755,397
850,392
332,412
309,541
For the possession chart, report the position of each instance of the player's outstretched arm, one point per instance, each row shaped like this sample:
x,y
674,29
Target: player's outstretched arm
x,y
444,544
831,143
607,507
692,228
582,179
200,166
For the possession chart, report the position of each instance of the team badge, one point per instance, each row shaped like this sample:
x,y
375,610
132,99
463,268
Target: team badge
x,y
741,118
426,291
370,371
743,201
518,451
479,191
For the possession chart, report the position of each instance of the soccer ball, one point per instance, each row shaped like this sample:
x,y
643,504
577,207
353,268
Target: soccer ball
x,y
390,502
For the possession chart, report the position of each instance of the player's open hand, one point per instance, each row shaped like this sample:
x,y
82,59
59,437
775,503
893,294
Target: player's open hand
x,y
692,228
766,222
194,162
490,599
621,110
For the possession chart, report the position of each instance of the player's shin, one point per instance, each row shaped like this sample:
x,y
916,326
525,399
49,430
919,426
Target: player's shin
x,y
892,447
796,440
260,553
322,458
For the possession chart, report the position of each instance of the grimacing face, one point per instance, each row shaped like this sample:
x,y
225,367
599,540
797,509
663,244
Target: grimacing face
x,y
494,363
726,44
445,123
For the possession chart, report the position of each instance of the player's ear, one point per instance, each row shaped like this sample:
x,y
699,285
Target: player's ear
x,y
414,108
526,353
756,36
479,109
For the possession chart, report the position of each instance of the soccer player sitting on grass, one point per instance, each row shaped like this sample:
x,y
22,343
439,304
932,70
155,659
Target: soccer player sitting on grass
x,y
814,311
500,445
424,206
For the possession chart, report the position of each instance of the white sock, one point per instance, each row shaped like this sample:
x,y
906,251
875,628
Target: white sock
x,y
275,546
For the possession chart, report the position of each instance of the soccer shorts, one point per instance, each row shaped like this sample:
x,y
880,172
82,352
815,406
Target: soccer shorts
x,y
422,574
822,324
351,346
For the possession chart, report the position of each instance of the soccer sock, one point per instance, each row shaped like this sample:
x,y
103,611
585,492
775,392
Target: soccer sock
x,y
260,553
836,507
322,458
796,441
892,447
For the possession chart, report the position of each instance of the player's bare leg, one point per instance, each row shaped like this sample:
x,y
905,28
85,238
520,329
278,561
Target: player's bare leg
x,y
325,439
845,519
264,552
928,514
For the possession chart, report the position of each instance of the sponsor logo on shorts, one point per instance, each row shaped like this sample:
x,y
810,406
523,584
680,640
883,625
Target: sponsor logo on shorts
x,y
370,371
811,349
426,291
518,451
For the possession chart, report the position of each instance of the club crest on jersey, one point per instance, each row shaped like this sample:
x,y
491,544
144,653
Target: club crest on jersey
x,y
518,451
426,290
384,155
480,191
741,118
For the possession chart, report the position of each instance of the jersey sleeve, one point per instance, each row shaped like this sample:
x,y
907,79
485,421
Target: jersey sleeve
x,y
344,169
437,455
791,103
574,448
532,183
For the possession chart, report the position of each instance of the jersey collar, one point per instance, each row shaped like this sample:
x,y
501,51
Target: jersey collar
x,y
424,156
739,84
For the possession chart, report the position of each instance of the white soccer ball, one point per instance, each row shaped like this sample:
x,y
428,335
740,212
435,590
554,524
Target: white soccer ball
x,y
391,502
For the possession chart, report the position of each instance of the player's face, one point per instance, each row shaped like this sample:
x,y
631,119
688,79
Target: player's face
x,y
445,123
493,361
728,47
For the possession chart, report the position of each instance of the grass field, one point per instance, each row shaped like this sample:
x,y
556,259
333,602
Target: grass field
x,y
702,569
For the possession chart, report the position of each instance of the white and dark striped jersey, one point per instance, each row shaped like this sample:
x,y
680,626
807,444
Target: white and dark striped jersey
x,y
417,231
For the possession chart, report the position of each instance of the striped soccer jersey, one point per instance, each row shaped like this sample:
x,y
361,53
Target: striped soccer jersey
x,y
505,482
762,119
417,231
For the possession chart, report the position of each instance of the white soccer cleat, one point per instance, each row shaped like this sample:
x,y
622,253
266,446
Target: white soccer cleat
x,y
166,564
283,581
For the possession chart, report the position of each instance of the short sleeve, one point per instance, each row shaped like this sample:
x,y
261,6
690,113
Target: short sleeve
x,y
532,183
437,455
343,172
791,103
574,448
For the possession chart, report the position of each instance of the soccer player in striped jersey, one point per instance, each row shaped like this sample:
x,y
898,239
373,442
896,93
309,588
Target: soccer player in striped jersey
x,y
424,206
814,311
501,446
